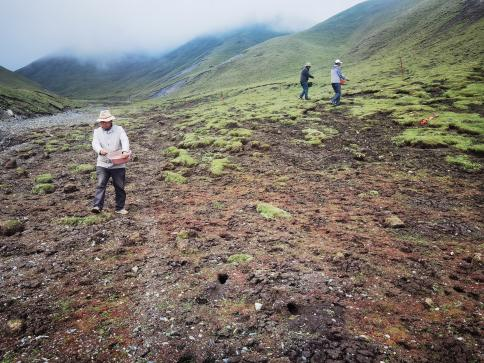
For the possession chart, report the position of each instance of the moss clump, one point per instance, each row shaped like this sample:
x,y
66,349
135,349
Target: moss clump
x,y
464,162
43,188
239,258
316,137
21,171
182,157
240,133
268,211
432,138
44,178
10,227
83,168
193,140
217,166
172,177
85,221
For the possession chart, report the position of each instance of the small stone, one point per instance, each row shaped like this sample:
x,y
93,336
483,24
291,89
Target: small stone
x,y
338,256
258,306
11,164
15,325
135,269
428,303
70,188
394,222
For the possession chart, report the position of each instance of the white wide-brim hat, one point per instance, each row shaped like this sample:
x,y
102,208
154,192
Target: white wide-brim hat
x,y
105,116
337,61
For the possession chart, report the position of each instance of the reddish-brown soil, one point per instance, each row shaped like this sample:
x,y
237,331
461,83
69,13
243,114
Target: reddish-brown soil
x,y
335,283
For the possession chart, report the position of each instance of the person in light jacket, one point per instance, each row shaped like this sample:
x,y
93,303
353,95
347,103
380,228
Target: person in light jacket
x,y
304,81
336,78
109,138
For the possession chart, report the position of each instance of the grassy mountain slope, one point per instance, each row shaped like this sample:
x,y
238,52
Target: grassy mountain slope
x,y
25,97
138,76
438,43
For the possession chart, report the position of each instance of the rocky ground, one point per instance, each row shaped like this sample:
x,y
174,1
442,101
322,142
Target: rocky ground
x,y
380,260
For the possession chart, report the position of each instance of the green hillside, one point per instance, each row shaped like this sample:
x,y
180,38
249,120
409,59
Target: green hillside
x,y
139,76
438,43
26,98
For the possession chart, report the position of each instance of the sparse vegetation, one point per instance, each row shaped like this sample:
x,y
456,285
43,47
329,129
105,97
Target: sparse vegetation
x,y
85,220
173,177
269,211
43,188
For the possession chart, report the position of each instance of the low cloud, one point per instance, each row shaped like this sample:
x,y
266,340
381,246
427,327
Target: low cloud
x,y
33,29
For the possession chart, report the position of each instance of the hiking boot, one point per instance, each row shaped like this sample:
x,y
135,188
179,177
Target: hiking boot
x,y
121,211
307,99
96,210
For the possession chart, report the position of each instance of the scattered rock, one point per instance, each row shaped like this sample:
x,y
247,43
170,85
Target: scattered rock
x,y
135,269
70,188
258,306
394,222
10,164
428,303
10,227
338,256
15,325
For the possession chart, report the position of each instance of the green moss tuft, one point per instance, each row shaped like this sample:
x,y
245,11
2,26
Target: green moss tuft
x,y
268,211
464,162
239,258
85,221
172,177
44,178
44,188
83,168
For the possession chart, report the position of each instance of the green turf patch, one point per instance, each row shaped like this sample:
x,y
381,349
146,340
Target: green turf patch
x,y
464,162
239,258
172,177
269,211
43,188
85,221
83,168
44,178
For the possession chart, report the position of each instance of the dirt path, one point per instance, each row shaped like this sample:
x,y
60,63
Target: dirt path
x,y
334,283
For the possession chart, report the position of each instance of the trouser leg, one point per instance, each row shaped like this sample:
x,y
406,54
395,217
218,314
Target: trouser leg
x,y
337,93
102,181
119,178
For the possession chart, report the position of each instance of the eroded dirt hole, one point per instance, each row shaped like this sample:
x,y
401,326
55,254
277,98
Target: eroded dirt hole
x,y
292,308
222,278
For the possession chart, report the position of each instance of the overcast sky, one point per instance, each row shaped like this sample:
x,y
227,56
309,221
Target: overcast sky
x,y
30,29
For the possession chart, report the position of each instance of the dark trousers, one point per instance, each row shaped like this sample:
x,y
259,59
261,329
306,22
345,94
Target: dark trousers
x,y
118,176
305,90
337,93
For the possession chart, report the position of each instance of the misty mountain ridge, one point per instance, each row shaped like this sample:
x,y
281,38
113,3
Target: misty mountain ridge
x,y
370,37
123,75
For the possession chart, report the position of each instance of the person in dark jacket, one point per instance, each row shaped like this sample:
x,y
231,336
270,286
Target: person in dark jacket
x,y
304,81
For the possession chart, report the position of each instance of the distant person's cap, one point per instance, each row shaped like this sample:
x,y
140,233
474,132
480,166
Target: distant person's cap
x,y
337,61
105,116
307,65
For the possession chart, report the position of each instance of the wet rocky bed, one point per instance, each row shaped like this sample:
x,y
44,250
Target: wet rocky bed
x,y
379,262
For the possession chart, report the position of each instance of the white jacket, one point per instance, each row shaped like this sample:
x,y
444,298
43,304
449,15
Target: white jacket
x,y
114,139
336,74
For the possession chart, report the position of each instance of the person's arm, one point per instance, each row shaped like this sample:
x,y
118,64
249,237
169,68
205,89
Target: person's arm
x,y
96,145
340,75
310,76
124,141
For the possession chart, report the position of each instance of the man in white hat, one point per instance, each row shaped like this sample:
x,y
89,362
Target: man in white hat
x,y
304,81
106,139
337,79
